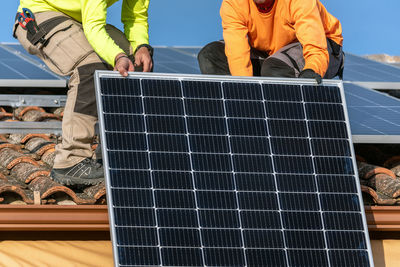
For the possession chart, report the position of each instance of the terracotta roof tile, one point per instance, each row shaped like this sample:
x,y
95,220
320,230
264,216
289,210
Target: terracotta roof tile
x,y
380,176
59,112
371,197
27,137
9,158
3,138
39,146
7,189
8,145
49,189
48,156
385,184
25,164
392,162
366,171
36,115
97,192
5,116
396,170
21,111
3,177
26,172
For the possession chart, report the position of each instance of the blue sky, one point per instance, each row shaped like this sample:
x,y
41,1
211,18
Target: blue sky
x,y
369,26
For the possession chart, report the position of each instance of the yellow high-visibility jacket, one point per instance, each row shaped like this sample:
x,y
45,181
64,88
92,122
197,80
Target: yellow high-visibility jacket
x,y
92,14
305,21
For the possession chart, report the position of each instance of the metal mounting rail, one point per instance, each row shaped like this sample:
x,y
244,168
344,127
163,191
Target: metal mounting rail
x,y
376,139
51,127
33,100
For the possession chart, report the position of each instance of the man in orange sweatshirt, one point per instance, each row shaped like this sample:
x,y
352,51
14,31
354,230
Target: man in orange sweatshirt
x,y
275,38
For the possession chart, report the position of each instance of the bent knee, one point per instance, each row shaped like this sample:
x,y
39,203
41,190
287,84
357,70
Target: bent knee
x,y
212,59
273,67
212,49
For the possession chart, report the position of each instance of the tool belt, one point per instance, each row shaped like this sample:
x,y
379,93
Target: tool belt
x,y
36,33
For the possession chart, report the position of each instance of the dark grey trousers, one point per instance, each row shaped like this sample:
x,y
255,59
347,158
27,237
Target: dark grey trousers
x,y
286,62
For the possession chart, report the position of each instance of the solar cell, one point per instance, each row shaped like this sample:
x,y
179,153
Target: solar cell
x,y
199,174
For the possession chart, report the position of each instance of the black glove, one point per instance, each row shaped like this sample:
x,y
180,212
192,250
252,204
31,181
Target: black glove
x,y
309,73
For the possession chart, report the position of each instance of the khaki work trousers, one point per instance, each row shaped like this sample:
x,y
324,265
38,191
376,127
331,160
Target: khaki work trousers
x,y
68,53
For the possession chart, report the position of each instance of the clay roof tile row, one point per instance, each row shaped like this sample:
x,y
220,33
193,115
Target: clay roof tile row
x,y
25,164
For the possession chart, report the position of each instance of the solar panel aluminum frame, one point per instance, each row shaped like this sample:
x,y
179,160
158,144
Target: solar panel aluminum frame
x,y
379,85
217,78
33,83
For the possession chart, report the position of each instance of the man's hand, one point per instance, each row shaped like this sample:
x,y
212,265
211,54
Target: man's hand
x,y
309,73
123,64
143,59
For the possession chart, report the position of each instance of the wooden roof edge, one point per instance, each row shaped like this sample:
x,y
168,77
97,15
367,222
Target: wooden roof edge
x,y
53,218
383,218
95,218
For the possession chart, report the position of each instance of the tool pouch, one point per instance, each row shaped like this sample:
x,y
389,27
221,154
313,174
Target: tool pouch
x,y
39,33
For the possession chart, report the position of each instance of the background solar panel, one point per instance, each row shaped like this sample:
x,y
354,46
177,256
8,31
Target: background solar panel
x,y
17,65
229,172
372,113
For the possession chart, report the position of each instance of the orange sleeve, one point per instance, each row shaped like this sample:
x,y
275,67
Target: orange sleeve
x,y
237,48
311,34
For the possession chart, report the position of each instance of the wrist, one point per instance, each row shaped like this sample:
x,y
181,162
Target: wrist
x,y
119,56
149,48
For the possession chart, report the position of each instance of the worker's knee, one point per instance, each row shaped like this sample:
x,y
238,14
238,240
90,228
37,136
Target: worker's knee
x,y
212,59
85,98
273,67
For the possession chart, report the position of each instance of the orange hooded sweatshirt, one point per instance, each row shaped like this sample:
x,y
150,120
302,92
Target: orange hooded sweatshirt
x,y
304,21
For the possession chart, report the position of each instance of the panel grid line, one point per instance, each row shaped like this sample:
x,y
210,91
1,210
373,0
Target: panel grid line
x,y
223,135
222,172
239,154
222,117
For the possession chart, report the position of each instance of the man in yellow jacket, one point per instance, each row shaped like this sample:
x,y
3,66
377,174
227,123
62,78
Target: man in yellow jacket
x,y
73,39
275,38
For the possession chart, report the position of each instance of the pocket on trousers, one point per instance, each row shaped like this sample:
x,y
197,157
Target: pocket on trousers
x,y
66,46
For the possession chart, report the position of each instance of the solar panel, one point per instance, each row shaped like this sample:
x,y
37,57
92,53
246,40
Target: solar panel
x,y
365,70
372,115
176,60
17,69
224,171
